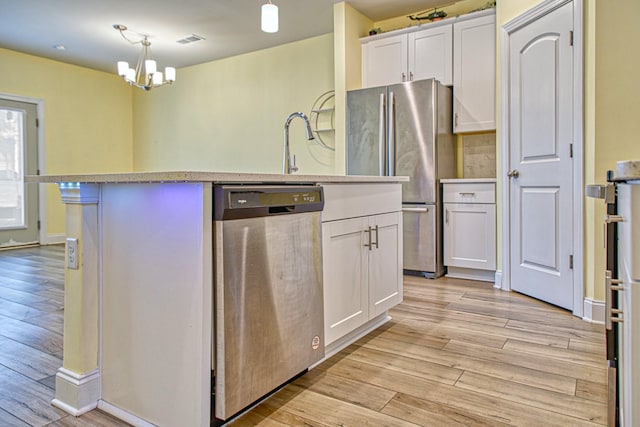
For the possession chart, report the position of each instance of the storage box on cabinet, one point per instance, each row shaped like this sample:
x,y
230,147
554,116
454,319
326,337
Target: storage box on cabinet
x,y
362,255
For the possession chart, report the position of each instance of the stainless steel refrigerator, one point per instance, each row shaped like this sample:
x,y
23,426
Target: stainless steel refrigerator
x,y
405,129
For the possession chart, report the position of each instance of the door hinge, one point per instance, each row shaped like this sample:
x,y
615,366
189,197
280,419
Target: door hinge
x,y
38,172
571,262
38,224
571,150
571,38
37,122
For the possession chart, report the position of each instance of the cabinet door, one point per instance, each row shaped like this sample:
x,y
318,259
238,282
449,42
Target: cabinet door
x,y
346,297
384,61
431,54
470,235
474,74
385,262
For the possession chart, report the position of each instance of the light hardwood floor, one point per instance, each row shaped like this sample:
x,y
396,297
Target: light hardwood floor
x,y
457,353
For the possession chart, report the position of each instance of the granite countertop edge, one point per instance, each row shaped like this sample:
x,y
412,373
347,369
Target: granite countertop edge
x,y
214,177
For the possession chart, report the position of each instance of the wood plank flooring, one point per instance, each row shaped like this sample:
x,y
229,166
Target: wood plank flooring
x,y
457,353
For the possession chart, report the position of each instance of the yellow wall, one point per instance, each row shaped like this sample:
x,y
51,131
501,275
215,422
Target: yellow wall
x,y
228,115
87,119
348,26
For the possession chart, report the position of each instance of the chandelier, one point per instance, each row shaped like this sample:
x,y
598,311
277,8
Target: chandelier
x,y
146,75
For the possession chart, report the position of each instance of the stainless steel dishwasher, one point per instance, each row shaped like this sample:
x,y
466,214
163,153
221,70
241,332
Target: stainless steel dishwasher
x,y
268,299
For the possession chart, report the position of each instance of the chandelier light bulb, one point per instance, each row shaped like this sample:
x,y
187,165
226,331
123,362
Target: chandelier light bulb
x,y
130,76
150,66
157,78
269,21
170,74
123,67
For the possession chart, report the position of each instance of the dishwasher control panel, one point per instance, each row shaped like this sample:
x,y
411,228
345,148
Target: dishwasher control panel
x,y
232,202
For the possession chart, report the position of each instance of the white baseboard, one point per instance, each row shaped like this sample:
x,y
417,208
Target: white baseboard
x,y
498,279
77,393
471,274
53,239
123,415
593,311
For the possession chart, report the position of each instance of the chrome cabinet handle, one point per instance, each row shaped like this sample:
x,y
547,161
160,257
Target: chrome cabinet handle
x,y
455,120
467,194
382,134
410,75
404,77
513,173
611,285
376,242
446,216
415,209
368,245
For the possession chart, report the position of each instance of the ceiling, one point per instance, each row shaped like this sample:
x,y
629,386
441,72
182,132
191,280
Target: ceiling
x,y
229,27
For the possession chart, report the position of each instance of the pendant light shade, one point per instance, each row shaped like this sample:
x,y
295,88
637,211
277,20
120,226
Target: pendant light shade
x,y
269,22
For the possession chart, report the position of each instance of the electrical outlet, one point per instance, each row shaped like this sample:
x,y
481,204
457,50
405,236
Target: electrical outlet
x,y
72,253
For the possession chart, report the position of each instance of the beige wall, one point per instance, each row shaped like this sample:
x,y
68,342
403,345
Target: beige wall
x,y
87,119
228,115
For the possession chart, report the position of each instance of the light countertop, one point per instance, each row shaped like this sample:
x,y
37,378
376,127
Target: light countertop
x,y
214,177
466,180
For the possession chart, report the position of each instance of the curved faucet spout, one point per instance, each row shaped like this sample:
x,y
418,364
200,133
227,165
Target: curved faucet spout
x,y
287,165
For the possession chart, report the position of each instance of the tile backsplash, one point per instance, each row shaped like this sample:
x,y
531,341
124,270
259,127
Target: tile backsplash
x,y
479,155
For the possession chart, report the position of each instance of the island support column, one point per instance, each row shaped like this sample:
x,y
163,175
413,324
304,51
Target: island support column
x,y
78,380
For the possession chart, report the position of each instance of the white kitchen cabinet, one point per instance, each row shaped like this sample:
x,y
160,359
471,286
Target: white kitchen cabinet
x,y
362,255
384,61
431,54
474,74
470,229
404,57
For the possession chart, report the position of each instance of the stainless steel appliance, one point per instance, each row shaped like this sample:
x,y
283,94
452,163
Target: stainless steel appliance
x,y
608,194
268,299
405,129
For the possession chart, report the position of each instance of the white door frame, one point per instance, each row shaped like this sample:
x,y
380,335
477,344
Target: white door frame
x,y
506,30
43,238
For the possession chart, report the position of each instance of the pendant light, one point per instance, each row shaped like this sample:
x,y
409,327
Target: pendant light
x,y
269,21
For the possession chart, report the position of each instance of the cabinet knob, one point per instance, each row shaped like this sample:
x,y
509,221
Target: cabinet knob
x,y
404,77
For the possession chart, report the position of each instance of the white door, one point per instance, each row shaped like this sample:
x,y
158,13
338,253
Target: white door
x,y
18,157
345,282
385,263
541,166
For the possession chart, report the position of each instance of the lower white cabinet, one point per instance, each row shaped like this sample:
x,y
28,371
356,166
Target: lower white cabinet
x,y
362,256
470,229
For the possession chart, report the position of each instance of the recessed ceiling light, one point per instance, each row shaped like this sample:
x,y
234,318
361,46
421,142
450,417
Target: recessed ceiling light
x,y
59,47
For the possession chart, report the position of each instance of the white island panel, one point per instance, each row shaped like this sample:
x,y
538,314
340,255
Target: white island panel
x,y
156,301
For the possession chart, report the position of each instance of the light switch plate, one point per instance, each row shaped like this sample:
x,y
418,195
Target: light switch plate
x,y
72,253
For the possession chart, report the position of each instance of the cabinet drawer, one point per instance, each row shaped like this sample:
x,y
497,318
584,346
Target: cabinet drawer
x,y
469,192
343,201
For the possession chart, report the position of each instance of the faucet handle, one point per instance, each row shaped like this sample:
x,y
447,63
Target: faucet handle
x,y
294,168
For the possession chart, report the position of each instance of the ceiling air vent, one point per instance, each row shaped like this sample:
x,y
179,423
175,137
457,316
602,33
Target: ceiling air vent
x,y
190,39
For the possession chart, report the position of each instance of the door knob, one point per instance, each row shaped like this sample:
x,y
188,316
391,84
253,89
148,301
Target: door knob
x,y
513,173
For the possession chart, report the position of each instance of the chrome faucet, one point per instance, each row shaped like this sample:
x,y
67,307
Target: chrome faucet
x,y
287,165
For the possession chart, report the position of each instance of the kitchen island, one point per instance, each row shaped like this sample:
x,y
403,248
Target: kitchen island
x,y
139,275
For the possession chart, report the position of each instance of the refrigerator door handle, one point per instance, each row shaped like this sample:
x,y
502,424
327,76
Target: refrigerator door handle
x,y
382,110
415,209
391,137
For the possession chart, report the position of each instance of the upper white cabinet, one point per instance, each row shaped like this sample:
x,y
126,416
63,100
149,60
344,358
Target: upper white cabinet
x,y
431,53
404,57
384,61
474,74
